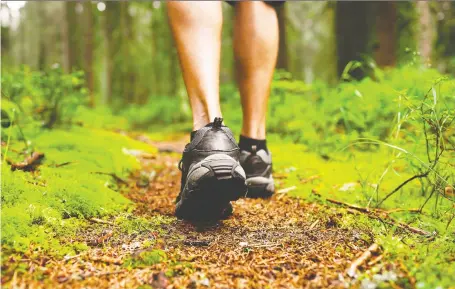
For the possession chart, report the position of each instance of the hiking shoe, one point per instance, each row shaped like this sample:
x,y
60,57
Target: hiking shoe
x,y
211,174
258,169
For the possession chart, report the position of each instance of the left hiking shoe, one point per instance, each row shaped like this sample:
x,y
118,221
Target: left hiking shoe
x,y
211,175
258,168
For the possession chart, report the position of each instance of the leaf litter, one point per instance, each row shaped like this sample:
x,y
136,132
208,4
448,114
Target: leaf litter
x,y
282,242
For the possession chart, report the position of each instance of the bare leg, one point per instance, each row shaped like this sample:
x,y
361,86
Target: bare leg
x,y
256,50
196,27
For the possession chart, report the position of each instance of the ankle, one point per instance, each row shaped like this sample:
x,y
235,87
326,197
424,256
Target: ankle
x,y
246,144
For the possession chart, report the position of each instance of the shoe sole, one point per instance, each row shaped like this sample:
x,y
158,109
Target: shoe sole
x,y
260,187
211,185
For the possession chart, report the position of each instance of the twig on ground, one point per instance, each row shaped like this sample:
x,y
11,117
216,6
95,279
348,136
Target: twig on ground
x,y
359,261
105,273
374,215
29,164
286,190
106,259
375,260
62,164
196,243
413,229
105,237
313,225
114,176
392,222
419,176
361,209
354,207
67,258
413,210
100,221
309,179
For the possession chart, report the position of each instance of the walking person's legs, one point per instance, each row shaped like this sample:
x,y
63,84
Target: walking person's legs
x,y
196,26
211,173
256,50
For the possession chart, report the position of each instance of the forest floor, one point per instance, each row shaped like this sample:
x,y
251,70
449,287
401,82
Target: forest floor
x,y
283,242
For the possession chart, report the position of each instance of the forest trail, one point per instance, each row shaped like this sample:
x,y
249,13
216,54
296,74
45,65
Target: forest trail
x,y
283,242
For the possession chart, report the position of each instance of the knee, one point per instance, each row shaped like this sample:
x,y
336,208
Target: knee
x,y
203,13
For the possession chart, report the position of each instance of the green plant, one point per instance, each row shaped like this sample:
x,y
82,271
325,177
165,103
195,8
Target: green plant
x,y
49,97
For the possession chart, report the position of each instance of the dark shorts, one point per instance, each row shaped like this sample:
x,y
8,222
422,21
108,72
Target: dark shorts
x,y
274,4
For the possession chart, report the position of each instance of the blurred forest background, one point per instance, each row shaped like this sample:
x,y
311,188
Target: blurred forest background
x,y
127,52
362,111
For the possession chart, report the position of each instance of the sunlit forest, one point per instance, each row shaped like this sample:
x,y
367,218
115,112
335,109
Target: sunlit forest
x,y
361,123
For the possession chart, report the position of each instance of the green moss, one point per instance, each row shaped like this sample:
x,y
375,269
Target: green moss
x,y
41,208
130,224
144,259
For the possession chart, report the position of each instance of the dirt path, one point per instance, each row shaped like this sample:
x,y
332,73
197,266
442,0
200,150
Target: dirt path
x,y
279,243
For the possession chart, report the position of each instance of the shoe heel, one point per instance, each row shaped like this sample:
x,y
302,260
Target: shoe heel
x,y
211,185
222,169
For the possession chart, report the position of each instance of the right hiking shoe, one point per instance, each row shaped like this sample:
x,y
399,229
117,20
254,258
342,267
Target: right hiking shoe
x,y
258,169
211,175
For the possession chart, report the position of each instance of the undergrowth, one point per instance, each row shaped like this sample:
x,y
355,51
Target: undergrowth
x,y
78,178
387,141
74,183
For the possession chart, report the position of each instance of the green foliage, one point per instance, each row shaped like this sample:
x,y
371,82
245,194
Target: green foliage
x,y
407,20
159,110
47,97
330,118
100,117
360,140
355,142
74,181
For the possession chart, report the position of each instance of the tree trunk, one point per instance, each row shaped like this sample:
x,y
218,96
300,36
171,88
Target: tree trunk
x,y
352,27
41,41
64,30
71,20
386,20
426,27
112,49
154,47
88,51
282,61
106,75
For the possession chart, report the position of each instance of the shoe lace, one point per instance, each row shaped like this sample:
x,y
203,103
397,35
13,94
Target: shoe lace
x,y
217,122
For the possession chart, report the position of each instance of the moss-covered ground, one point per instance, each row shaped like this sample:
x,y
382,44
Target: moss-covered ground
x,y
364,175
130,239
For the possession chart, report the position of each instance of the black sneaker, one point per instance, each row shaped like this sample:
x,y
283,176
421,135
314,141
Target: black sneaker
x,y
211,174
258,169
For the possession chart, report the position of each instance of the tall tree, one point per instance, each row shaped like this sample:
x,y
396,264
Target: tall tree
x,y
71,36
282,61
427,31
88,50
64,31
41,16
353,30
386,20
111,46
